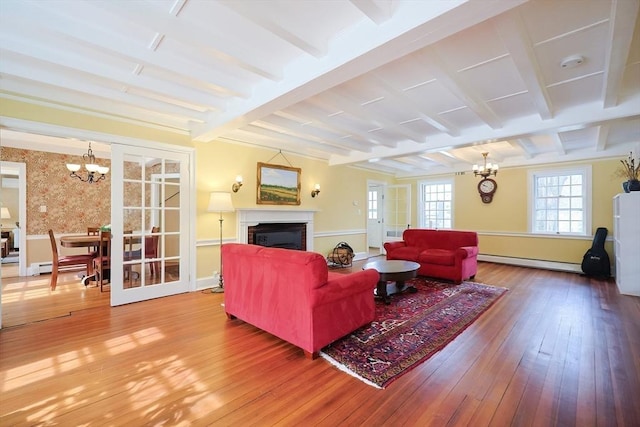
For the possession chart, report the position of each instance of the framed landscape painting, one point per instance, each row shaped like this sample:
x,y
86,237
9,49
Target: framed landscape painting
x,y
278,185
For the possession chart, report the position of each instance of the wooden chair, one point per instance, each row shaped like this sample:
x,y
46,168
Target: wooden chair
x,y
66,261
102,262
151,244
93,231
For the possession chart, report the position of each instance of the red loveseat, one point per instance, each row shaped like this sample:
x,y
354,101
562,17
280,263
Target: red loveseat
x,y
445,254
292,295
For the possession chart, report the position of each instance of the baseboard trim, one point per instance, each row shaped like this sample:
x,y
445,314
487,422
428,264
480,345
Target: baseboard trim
x,y
534,263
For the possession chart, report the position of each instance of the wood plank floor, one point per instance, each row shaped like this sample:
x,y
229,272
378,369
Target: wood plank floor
x,y
558,349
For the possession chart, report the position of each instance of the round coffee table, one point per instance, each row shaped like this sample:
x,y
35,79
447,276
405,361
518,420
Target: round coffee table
x,y
393,271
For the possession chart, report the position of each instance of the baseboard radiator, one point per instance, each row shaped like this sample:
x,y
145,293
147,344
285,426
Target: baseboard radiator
x,y
38,268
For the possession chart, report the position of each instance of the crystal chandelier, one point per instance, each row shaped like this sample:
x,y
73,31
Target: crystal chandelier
x,y
95,172
487,169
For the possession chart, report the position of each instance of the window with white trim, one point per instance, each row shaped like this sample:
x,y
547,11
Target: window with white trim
x,y
372,205
561,201
435,204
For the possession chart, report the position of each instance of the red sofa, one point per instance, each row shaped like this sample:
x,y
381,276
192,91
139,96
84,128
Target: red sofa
x,y
292,295
445,254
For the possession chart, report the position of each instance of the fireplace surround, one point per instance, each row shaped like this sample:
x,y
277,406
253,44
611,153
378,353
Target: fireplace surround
x,y
253,217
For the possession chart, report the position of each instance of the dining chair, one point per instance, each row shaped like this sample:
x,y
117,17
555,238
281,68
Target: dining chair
x,y
151,250
130,254
93,231
66,261
102,262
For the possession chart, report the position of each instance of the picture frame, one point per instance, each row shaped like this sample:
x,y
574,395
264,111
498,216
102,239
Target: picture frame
x,y
278,185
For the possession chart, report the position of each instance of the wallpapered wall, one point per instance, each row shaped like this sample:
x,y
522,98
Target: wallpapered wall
x,y
71,205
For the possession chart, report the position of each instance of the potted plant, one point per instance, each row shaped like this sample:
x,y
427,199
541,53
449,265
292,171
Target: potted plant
x,y
631,172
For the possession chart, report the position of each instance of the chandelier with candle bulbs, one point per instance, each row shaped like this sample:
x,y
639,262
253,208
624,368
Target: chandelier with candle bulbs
x,y
487,169
95,172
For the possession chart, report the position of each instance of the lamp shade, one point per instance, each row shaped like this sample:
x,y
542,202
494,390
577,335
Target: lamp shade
x,y
220,201
5,213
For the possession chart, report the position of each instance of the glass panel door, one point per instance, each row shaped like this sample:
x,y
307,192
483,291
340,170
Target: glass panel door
x,y
397,211
150,214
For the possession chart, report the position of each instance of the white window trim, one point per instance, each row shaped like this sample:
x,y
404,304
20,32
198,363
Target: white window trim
x,y
421,201
587,191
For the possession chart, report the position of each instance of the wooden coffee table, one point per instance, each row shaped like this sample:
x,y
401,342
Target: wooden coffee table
x,y
393,271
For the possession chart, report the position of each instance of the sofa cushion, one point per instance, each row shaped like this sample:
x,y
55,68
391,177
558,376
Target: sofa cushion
x,y
437,256
408,253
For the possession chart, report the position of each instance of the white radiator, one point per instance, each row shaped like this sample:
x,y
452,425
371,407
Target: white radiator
x,y
38,268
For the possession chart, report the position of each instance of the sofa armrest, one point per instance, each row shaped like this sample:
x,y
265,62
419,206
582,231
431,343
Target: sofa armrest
x,y
340,286
467,251
390,246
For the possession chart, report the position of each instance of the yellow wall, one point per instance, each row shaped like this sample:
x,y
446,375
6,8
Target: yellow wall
x,y
217,165
503,223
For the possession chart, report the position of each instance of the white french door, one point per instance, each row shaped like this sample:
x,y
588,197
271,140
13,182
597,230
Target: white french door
x,y
150,223
397,211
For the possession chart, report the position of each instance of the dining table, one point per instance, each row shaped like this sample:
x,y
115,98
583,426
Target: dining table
x,y
81,241
86,241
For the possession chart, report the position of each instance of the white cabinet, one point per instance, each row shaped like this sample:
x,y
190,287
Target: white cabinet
x,y
626,242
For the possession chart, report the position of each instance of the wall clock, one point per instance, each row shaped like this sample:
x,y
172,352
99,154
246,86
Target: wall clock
x,y
487,188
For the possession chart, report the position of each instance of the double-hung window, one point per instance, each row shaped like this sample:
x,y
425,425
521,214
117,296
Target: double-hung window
x,y
435,204
561,201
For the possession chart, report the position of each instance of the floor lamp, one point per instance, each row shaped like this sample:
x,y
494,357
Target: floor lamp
x,y
5,213
220,201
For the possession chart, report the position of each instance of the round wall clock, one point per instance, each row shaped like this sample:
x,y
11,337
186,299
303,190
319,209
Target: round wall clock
x,y
487,188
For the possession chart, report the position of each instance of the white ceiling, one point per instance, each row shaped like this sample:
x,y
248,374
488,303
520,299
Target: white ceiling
x,y
403,87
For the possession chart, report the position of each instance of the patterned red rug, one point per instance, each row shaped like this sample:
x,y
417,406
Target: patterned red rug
x,y
411,329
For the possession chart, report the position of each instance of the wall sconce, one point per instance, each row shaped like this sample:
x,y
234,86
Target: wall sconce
x,y
315,191
236,185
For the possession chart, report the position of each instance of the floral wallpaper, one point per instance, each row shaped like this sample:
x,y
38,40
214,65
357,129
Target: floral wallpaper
x,y
71,205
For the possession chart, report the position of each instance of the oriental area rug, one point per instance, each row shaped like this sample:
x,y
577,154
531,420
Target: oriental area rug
x,y
411,329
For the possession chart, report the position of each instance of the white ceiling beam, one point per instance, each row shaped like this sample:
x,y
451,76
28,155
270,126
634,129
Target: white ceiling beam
x,y
340,126
602,137
514,36
45,58
255,129
565,120
355,108
373,10
401,98
79,30
285,124
523,145
233,51
624,14
249,12
557,143
448,77
352,53
107,101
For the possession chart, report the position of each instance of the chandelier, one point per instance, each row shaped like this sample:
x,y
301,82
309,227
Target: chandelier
x,y
95,172
487,169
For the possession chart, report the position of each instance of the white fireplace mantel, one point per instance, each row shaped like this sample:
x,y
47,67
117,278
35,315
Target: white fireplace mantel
x,y
246,218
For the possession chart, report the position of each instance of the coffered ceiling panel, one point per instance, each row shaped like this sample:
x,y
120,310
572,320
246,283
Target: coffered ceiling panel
x,y
405,87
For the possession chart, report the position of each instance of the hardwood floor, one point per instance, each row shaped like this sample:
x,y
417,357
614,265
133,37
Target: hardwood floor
x,y
557,349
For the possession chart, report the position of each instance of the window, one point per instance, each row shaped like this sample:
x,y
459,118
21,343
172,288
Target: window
x,y
373,205
436,204
561,201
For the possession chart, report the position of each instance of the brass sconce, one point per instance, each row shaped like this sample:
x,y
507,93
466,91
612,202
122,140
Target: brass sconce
x,y
315,191
236,185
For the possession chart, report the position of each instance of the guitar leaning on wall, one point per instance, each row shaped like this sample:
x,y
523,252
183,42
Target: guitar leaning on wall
x,y
595,261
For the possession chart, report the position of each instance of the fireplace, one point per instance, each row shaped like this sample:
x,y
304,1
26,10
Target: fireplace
x,y
252,217
279,235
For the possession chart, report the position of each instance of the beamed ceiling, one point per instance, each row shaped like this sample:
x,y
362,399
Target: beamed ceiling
x,y
402,87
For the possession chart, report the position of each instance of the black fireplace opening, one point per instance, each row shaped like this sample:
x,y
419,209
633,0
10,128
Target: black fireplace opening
x,y
279,235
